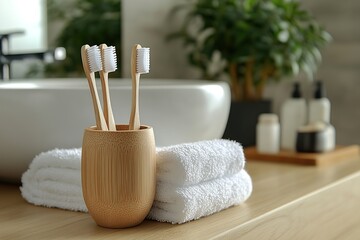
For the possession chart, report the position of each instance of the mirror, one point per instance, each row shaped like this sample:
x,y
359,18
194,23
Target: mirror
x,y
31,20
48,24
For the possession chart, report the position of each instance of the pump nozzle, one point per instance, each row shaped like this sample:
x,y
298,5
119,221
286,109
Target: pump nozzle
x,y
296,93
319,90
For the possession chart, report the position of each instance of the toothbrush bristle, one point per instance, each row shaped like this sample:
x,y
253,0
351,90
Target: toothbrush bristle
x,y
143,60
110,60
94,58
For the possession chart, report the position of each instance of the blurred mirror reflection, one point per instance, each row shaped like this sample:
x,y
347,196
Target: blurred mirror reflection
x,y
42,26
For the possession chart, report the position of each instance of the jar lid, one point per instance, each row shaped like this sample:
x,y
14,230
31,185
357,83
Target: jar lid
x,y
268,118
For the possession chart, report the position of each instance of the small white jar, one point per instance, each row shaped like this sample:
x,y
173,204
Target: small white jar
x,y
268,134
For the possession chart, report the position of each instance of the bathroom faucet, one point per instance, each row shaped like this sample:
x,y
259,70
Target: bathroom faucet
x,y
6,58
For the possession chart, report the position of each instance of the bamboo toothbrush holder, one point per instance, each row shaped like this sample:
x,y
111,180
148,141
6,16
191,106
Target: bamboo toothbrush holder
x,y
118,172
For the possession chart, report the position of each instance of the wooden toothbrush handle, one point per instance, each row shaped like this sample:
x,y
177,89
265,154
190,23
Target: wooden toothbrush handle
x,y
134,123
108,114
99,116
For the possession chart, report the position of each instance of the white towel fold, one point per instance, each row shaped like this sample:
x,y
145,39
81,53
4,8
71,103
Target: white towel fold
x,y
193,180
183,204
191,163
54,180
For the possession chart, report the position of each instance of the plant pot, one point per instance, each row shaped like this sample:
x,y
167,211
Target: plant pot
x,y
243,117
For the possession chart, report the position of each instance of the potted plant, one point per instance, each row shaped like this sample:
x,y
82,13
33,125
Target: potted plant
x,y
252,42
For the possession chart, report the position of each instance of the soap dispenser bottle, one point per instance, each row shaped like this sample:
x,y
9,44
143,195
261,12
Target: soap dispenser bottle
x,y
319,106
292,116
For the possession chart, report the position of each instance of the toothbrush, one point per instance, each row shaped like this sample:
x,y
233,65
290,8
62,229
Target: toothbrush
x,y
90,59
140,64
108,57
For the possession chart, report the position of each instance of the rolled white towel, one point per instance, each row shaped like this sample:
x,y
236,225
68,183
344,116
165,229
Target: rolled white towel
x,y
182,204
54,180
191,163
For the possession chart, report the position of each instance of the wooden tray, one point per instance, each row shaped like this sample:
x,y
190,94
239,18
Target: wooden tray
x,y
316,159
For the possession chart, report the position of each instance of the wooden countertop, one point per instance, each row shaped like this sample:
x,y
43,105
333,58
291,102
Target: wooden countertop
x,y
288,202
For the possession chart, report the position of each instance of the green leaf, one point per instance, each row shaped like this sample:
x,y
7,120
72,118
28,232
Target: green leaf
x,y
295,68
249,4
317,55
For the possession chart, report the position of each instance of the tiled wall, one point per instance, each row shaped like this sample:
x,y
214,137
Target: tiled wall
x,y
148,23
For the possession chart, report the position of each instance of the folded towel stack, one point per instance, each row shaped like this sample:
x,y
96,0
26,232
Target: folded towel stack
x,y
199,179
54,180
193,180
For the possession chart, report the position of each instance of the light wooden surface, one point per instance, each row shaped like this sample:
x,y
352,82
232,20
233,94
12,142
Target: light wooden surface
x,y
288,201
329,213
341,153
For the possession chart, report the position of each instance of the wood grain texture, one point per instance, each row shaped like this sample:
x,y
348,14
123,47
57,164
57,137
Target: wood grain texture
x,y
341,153
275,186
104,76
134,122
329,213
118,171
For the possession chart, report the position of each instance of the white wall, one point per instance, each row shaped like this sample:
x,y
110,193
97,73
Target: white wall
x,y
147,24
27,15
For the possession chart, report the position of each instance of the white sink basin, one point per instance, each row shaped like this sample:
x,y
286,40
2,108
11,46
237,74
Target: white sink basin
x,y
37,116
